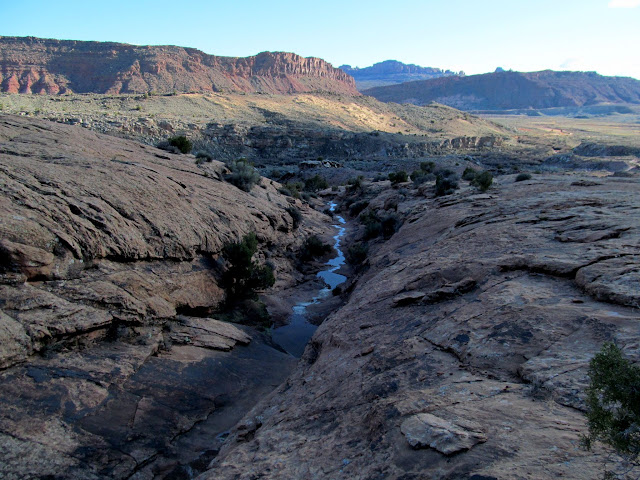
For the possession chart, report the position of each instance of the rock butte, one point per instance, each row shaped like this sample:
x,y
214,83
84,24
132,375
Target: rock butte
x,y
47,66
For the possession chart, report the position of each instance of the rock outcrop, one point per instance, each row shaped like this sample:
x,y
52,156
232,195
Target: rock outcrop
x,y
109,271
36,65
515,90
463,349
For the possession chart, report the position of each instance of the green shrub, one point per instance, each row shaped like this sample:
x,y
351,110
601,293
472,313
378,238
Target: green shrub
x,y
296,216
313,247
372,225
482,181
355,184
375,226
315,183
421,176
398,177
182,143
613,403
203,157
427,167
523,176
357,253
356,208
292,189
243,175
469,174
446,182
243,277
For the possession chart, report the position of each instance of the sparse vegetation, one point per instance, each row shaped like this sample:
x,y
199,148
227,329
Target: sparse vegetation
x,y
315,183
296,216
446,182
357,253
243,277
203,157
523,176
313,247
356,208
398,177
482,180
469,174
182,143
375,226
243,175
613,403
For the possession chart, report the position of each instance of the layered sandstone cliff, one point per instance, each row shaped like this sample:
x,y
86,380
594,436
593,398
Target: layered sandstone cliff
x,y
35,65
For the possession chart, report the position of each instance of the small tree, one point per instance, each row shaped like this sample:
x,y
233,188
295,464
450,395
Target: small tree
x,y
398,177
613,403
446,182
182,143
243,277
243,175
483,181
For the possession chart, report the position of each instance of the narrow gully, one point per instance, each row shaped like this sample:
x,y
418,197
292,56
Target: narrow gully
x,y
294,336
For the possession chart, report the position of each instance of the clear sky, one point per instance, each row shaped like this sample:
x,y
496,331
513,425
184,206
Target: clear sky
x,y
471,35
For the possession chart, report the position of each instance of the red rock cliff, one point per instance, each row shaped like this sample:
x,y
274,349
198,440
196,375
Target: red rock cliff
x,y
45,66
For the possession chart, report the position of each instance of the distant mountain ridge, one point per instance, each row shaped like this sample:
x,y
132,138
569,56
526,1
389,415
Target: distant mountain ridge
x,y
48,66
391,72
515,90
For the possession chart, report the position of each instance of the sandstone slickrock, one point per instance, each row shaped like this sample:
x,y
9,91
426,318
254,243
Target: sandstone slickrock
x,y
111,360
505,356
426,430
47,66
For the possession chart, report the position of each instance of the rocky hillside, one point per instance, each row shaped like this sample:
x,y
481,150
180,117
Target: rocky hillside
x,y
391,72
45,66
515,90
109,273
462,352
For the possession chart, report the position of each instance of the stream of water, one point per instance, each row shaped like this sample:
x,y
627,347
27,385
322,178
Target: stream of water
x,y
294,336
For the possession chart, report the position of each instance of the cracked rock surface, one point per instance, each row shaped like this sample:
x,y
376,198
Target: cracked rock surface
x,y
478,319
111,363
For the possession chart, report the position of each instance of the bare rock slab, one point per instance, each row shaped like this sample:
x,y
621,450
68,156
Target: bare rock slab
x,y
425,430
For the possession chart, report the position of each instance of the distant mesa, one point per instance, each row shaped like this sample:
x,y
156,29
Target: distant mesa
x,y
506,90
46,66
391,72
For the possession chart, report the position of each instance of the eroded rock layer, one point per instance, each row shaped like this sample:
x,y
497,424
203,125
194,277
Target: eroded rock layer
x,y
109,270
47,66
463,349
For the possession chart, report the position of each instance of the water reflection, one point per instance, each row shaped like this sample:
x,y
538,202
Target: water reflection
x,y
294,336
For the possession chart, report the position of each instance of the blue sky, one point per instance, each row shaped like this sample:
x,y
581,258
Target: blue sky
x,y
471,35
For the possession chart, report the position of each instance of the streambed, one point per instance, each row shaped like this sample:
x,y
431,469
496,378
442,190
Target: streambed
x,y
294,336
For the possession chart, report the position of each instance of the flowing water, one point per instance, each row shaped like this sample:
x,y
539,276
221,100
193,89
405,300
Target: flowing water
x,y
294,336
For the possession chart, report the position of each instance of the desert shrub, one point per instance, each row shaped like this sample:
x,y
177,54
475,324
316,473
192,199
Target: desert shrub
x,y
355,184
375,226
315,183
356,208
357,253
427,167
482,181
372,225
613,403
182,143
243,175
296,216
421,176
523,176
243,277
292,189
390,225
203,157
313,247
469,174
398,177
446,182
